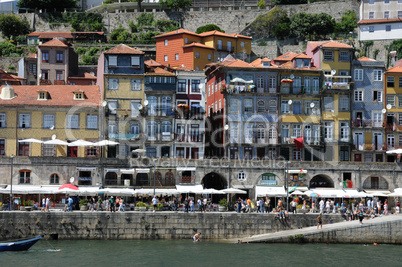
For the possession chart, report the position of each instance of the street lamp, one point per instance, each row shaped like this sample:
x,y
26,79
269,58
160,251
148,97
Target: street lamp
x,y
287,185
11,183
154,160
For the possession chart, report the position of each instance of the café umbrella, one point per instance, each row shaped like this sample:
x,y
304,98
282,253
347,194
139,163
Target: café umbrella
x,y
81,142
30,140
105,143
55,142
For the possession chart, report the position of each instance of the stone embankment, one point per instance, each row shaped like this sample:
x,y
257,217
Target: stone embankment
x,y
147,225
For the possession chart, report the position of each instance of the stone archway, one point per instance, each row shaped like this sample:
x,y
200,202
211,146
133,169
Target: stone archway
x,y
142,179
216,181
375,182
321,180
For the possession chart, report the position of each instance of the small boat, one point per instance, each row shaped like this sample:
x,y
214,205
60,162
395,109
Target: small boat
x,y
19,245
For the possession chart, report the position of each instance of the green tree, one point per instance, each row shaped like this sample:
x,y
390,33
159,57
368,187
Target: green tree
x,y
396,45
47,4
12,26
282,29
261,4
208,28
145,19
322,24
166,25
348,22
301,24
175,4
6,48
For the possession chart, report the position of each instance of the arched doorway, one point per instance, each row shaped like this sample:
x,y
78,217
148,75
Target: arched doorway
x,y
321,180
215,181
142,179
375,182
169,179
111,178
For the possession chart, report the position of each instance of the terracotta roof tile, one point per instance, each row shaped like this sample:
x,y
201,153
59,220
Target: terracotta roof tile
x,y
198,45
236,35
124,49
87,75
179,31
56,42
160,71
183,68
374,21
33,55
286,57
9,77
328,44
365,59
60,95
398,63
239,64
258,62
303,56
396,69
152,63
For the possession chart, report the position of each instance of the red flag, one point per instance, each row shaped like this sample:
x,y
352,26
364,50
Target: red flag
x,y
299,142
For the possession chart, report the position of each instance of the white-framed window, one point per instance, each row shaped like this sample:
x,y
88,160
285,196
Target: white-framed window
x,y
136,84
241,176
358,96
377,75
358,75
181,86
285,131
195,86
112,128
248,106
307,134
166,128
234,132
135,61
24,121
328,55
234,105
328,103
134,128
272,82
248,133
344,154
92,122
316,85
220,104
296,130
112,61
371,15
328,130
135,108
272,108
344,103
3,120
400,82
260,82
165,58
390,81
296,154
166,105
386,14
48,121
377,96
344,131
344,56
176,56
391,140
391,100
113,84
73,121
42,96
261,106
285,109
152,105
112,106
166,42
152,130
307,85
371,28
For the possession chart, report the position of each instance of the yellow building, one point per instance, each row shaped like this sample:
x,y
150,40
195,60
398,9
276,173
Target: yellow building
x,y
63,112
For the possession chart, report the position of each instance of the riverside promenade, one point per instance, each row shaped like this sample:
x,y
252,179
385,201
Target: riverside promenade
x,y
385,229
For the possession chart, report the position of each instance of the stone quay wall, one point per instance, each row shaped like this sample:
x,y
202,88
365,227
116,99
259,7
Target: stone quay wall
x,y
147,225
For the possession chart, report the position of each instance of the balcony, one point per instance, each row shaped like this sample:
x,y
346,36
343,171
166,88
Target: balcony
x,y
123,136
59,82
224,48
369,147
240,89
366,123
187,180
183,138
45,82
187,115
157,112
337,86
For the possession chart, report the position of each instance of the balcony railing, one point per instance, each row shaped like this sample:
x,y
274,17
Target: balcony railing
x,y
190,115
189,138
187,180
366,123
369,147
337,86
59,82
238,89
45,82
158,112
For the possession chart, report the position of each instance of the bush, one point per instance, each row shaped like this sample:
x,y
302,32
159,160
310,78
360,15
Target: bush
x,y
159,206
28,202
208,28
261,4
145,19
93,51
81,50
6,48
223,202
83,202
141,204
89,60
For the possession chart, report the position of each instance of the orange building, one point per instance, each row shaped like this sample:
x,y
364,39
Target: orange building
x,y
185,48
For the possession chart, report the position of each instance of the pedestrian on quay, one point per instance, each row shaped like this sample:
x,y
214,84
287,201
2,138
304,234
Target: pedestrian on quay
x,y
361,216
397,208
99,208
192,209
121,205
112,204
154,203
47,204
319,220
43,203
70,204
199,205
238,203
175,205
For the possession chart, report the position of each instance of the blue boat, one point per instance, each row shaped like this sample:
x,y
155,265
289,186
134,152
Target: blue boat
x,y
19,245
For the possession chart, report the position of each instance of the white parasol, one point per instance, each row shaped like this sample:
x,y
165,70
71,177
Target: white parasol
x,y
81,142
30,140
55,142
106,143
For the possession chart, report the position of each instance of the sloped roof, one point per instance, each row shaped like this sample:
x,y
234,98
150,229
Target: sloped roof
x,y
286,57
60,95
396,69
33,55
302,55
183,68
198,45
86,75
328,44
9,77
258,62
56,42
152,63
380,21
365,59
160,71
238,64
124,49
179,31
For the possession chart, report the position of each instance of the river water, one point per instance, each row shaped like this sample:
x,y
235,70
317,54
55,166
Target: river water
x,y
205,253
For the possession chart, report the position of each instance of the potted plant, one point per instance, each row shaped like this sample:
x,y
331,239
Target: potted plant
x,y
142,206
223,204
159,206
28,205
83,204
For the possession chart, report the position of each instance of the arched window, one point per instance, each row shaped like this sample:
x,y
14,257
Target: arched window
x,y
25,176
169,178
54,179
158,178
111,178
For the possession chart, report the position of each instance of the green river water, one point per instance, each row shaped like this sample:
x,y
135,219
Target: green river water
x,y
205,253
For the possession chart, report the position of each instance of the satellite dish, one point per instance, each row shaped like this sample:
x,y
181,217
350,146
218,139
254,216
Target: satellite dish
x,y
292,76
314,110
226,127
53,137
145,102
52,128
290,102
384,110
72,180
333,72
389,106
201,86
139,106
312,105
104,103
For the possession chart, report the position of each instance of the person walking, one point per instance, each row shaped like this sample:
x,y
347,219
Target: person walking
x,y
112,204
361,216
192,209
319,220
43,204
154,203
47,204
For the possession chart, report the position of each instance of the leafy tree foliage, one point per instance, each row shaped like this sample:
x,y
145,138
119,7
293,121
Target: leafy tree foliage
x,y
207,28
312,25
282,29
6,48
12,26
82,21
166,25
145,19
348,22
396,45
50,5
175,4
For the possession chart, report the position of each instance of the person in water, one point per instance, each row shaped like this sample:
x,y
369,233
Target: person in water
x,y
196,237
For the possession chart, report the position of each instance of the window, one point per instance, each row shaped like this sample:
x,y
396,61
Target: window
x,y
272,83
48,121
377,75
92,122
229,43
152,129
166,42
59,56
2,147
272,106
285,107
328,103
297,107
358,75
25,177
371,28
400,82
166,58
195,86
344,153
260,82
285,130
296,154
248,133
344,56
344,134
391,100
328,55
112,128
72,121
186,40
176,56
45,75
296,131
391,140
358,96
248,105
33,68
390,81
134,129
42,96
209,57
3,120
377,96
24,120
135,61
261,106
166,105
113,84
316,85
152,105
371,15
112,61
54,179
399,13
297,85
197,68
386,14
219,44
388,28
343,103
59,75
241,176
181,86
234,105
197,54
136,85
45,56
48,150
242,44
166,128
328,131
79,96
